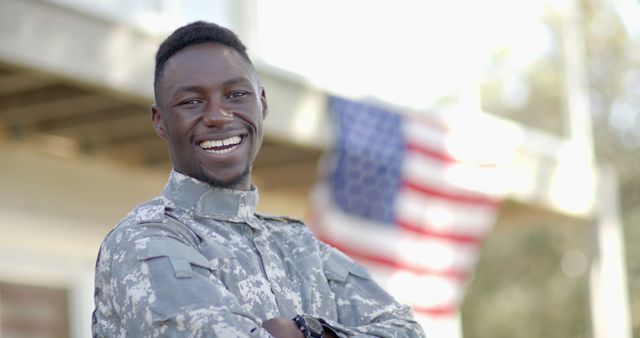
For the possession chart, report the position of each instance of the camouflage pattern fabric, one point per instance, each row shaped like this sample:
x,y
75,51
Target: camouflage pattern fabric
x,y
198,261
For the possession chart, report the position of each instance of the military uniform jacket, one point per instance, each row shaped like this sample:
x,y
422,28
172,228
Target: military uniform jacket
x,y
198,261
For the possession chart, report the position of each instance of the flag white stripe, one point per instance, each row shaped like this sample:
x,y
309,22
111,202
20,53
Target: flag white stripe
x,y
454,178
425,291
391,242
471,145
439,215
420,133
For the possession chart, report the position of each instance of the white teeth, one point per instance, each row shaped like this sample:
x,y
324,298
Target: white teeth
x,y
234,140
223,151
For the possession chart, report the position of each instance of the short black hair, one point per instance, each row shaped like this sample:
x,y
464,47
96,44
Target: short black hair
x,y
196,33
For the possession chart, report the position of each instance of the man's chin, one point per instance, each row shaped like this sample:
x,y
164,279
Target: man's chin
x,y
230,183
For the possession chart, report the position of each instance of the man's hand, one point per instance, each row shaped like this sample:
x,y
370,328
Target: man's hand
x,y
282,328
286,328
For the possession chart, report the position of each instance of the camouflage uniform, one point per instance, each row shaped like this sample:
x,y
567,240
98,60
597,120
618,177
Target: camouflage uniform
x,y
199,262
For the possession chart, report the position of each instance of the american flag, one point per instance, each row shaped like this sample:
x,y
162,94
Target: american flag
x,y
397,199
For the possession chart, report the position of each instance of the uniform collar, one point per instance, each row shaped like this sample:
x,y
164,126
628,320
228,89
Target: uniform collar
x,y
208,201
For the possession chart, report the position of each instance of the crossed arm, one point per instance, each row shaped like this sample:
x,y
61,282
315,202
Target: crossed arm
x,y
170,296
286,328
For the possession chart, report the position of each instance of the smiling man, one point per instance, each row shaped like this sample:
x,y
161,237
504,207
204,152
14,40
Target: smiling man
x,y
198,261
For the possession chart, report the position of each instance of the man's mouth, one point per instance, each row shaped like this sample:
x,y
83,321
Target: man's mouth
x,y
221,146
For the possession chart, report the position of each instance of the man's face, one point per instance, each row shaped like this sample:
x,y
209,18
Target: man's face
x,y
209,107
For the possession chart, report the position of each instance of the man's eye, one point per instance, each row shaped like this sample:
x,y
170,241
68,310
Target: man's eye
x,y
190,102
234,95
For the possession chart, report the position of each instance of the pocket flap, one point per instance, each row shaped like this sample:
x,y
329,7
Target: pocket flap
x,y
338,266
215,250
172,249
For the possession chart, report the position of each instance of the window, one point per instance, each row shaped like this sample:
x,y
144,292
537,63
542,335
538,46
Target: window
x,y
33,312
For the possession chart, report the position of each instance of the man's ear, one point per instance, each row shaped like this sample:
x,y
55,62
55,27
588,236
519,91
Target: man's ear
x,y
263,100
158,123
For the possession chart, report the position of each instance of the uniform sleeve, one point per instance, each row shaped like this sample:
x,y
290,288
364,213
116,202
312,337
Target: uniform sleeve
x,y
163,287
364,308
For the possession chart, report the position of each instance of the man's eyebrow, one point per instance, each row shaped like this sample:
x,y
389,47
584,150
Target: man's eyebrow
x,y
198,89
187,89
237,80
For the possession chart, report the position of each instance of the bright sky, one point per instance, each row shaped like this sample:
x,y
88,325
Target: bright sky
x,y
406,52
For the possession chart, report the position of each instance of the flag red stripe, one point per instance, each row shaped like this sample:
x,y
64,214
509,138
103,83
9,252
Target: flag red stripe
x,y
421,149
449,196
447,236
364,256
441,156
435,311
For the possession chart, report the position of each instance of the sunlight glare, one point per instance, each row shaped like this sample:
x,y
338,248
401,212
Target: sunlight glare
x,y
405,52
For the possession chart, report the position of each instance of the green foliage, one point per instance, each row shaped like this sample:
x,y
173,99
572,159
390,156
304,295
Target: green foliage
x,y
520,289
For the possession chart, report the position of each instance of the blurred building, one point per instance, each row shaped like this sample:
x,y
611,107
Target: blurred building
x,y
78,152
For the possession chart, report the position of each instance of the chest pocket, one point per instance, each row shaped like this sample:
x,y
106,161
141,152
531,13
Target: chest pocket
x,y
359,298
338,267
181,277
182,257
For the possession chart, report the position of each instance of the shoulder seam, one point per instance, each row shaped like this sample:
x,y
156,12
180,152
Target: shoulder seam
x,y
283,219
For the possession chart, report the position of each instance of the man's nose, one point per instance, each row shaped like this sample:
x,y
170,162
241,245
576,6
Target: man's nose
x,y
217,116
